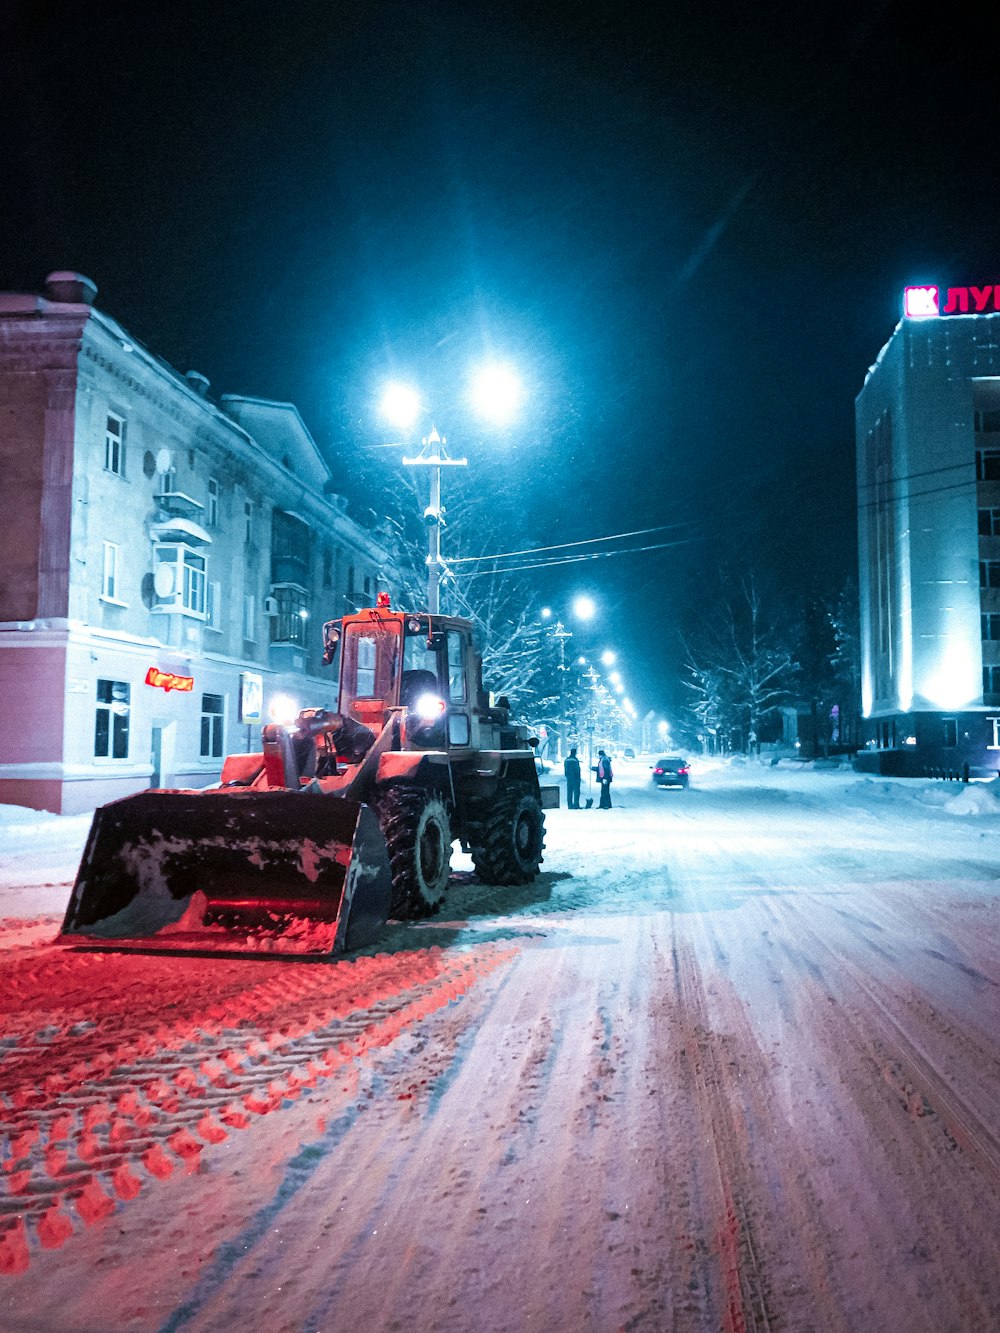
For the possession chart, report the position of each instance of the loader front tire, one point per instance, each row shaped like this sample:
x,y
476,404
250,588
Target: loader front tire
x,y
513,838
418,838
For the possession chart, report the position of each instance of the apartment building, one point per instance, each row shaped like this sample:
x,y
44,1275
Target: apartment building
x,y
166,561
928,454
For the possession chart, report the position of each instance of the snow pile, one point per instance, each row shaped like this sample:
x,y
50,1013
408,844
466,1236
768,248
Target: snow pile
x,y
975,799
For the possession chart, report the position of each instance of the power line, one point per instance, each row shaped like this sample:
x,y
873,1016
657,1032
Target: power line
x,y
562,546
574,559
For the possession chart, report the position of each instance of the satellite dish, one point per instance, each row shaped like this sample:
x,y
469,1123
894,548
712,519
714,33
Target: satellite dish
x,y
164,462
163,580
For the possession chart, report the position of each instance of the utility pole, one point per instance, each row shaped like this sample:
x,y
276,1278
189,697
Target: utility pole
x,y
434,455
561,634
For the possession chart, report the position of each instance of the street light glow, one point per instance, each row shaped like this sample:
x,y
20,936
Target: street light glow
x,y
584,607
546,612
400,404
608,657
496,392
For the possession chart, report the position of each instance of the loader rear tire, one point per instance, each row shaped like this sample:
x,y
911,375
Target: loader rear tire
x,y
418,838
513,838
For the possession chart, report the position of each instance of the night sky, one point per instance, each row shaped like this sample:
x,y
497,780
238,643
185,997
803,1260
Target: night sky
x,y
689,226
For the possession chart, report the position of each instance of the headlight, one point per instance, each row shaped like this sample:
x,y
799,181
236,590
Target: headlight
x,y
429,707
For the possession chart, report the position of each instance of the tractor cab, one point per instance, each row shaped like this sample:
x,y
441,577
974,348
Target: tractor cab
x,y
423,665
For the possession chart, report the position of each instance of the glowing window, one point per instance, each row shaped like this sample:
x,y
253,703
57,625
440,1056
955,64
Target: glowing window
x,y
993,723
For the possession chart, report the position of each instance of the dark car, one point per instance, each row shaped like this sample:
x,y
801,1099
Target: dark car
x,y
673,771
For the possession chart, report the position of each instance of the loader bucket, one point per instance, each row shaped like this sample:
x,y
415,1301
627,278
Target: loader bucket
x,y
259,872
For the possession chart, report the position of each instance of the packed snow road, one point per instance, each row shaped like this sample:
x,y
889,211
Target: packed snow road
x,y
730,1063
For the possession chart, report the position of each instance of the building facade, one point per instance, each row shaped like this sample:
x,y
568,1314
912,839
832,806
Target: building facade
x,y
928,478
167,561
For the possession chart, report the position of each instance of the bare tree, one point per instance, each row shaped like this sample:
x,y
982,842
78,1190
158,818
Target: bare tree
x,y
740,669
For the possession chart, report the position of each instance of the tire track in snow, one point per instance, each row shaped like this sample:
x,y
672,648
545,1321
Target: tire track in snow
x,y
76,1148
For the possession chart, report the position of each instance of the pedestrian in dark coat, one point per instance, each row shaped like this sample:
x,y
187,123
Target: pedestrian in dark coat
x,y
571,767
604,776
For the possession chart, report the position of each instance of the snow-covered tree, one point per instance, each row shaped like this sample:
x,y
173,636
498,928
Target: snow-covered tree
x,y
740,669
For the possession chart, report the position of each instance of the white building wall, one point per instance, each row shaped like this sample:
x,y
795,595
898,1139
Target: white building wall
x,y
62,633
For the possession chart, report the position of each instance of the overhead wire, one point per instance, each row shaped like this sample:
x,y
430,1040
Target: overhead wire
x,y
561,546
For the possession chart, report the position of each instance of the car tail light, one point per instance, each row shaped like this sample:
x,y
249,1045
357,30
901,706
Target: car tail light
x,y
685,769
658,770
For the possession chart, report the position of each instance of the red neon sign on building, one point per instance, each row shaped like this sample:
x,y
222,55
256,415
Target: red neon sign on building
x,y
166,680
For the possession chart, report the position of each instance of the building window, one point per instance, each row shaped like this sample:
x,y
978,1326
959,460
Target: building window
x,y
114,445
989,573
993,723
109,575
987,421
193,594
989,522
247,521
289,625
368,589
949,727
213,605
213,717
180,579
988,465
291,548
327,568
991,680
111,721
249,617
990,627
212,510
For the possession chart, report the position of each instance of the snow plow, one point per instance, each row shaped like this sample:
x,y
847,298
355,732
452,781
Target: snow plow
x,y
344,820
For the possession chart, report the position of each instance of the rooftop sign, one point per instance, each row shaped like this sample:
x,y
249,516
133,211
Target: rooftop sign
x,y
928,302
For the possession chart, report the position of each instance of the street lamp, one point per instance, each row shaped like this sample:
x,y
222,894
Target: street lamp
x,y
495,393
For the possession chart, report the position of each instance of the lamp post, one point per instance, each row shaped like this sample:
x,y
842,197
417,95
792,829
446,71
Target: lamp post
x,y
434,455
495,393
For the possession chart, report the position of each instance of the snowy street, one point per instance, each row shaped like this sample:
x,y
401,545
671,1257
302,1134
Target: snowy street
x,y
731,1063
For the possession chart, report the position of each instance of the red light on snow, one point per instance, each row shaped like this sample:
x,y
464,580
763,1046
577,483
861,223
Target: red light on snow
x,y
382,601
166,680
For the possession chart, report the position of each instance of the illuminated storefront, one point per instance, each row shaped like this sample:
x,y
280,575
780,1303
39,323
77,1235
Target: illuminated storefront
x,y
928,454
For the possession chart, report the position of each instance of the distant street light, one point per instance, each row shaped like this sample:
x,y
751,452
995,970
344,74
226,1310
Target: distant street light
x,y
496,394
608,657
584,607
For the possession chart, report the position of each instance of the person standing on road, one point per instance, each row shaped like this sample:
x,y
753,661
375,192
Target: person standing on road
x,y
604,776
571,767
